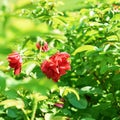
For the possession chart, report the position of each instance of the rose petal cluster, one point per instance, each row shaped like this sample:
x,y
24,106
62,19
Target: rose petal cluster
x,y
15,62
56,65
43,48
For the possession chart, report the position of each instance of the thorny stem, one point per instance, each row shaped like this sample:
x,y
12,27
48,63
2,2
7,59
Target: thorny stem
x,y
26,117
34,108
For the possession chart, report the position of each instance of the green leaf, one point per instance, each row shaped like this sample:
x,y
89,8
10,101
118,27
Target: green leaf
x,y
87,118
113,38
80,104
91,33
2,82
12,113
59,118
95,24
104,67
39,97
66,111
84,48
50,116
11,102
11,94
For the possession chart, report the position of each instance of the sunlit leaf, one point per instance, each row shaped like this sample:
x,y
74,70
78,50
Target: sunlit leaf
x,y
84,48
11,102
21,3
112,38
91,33
39,97
50,116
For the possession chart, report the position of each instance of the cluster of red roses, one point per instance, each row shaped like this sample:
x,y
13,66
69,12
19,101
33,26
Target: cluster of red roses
x,y
54,67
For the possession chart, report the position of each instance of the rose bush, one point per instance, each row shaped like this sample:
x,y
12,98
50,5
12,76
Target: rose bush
x,y
89,31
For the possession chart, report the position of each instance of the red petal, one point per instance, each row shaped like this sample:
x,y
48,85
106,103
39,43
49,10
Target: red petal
x,y
17,71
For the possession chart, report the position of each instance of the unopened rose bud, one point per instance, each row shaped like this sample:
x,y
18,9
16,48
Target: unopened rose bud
x,y
59,105
43,47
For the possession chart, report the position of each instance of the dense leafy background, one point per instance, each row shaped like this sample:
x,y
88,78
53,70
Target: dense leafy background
x,y
89,30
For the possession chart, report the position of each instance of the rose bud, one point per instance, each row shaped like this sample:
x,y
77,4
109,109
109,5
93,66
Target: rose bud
x,y
43,47
59,105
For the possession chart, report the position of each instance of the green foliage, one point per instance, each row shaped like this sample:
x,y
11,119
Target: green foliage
x,y
80,104
2,82
89,30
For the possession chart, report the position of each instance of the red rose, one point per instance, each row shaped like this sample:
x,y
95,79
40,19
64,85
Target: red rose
x,y
56,66
60,59
15,61
43,48
49,68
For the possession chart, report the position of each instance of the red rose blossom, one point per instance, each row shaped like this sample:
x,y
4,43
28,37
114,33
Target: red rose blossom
x,y
56,66
15,62
43,48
